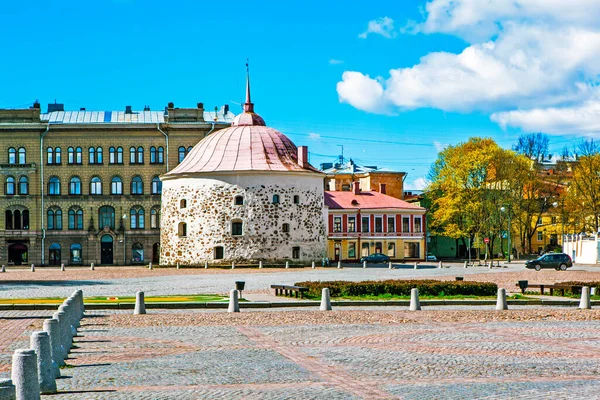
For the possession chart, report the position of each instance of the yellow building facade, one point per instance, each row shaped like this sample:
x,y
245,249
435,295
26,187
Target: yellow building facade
x,y
82,187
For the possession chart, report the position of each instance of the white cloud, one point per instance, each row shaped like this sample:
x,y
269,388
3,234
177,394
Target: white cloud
x,y
333,61
314,136
527,58
419,184
439,147
382,26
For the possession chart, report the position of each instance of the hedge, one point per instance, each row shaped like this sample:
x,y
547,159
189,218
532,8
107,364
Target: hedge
x,y
401,288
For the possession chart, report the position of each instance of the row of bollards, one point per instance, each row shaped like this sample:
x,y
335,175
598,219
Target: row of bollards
x,y
34,370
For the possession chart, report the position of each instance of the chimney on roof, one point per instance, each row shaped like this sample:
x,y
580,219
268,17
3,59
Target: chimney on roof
x,y
82,109
225,109
200,105
55,107
146,108
303,156
36,105
128,110
356,187
382,188
171,105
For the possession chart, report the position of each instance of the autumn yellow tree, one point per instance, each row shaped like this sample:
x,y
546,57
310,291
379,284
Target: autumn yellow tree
x,y
583,199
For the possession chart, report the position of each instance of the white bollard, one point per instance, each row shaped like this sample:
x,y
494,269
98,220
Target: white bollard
x,y
501,300
177,265
312,265
51,327
92,267
390,265
325,300
40,342
287,264
32,267
364,264
62,267
584,302
260,264
150,266
592,291
440,265
140,304
232,265
339,265
7,390
3,268
415,304
234,305
416,266
205,264
24,374
466,264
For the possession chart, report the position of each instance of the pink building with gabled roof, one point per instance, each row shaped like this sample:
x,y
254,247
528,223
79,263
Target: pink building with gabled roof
x,y
245,193
366,222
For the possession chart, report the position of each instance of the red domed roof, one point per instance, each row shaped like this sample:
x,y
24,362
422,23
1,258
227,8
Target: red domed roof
x,y
248,145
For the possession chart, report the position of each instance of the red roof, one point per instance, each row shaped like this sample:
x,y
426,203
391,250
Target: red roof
x,y
365,200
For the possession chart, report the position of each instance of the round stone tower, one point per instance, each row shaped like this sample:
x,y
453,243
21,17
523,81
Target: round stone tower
x,y
245,193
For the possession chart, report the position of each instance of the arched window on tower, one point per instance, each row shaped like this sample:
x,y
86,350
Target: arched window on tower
x,y
182,229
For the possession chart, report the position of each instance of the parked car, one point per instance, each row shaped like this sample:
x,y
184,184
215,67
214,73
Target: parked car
x,y
375,258
431,257
558,261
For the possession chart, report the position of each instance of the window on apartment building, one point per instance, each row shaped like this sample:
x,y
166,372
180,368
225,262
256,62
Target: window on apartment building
x,y
54,219
115,156
75,218
181,153
351,250
539,221
106,217
92,155
391,251
285,228
554,219
160,158
337,224
78,155
190,148
10,186
540,236
75,186
155,217
137,185
49,155
364,224
22,154
405,224
54,186
23,185
116,185
12,155
96,186
391,224
156,185
236,228
99,155
378,247
16,219
132,155
137,218
71,155
152,155
378,224
418,226
345,188
140,155
295,252
156,155
351,224
364,250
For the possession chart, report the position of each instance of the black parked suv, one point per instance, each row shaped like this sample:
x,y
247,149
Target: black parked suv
x,y
558,261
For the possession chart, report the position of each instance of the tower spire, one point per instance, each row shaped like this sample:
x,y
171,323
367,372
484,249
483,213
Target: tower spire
x,y
248,105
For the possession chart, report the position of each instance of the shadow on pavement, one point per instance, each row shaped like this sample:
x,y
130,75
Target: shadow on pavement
x,y
8,284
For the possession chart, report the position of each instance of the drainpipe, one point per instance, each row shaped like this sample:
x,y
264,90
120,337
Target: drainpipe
x,y
166,143
42,190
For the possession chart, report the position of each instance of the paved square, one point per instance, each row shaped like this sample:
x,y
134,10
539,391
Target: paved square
x,y
373,353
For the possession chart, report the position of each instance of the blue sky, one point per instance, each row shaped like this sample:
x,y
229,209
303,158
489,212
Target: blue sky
x,y
392,83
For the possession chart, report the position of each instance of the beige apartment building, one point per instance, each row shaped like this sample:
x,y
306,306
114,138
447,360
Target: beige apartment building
x,y
83,187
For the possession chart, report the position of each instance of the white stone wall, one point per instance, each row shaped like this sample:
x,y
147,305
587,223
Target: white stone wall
x,y
211,210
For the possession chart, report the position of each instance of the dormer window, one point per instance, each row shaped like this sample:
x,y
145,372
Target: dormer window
x,y
275,199
239,200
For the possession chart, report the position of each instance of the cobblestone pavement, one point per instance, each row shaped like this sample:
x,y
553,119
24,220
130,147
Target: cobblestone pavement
x,y
343,354
125,281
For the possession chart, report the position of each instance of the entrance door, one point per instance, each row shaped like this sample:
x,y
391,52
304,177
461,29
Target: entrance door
x,y
337,251
106,250
17,254
54,254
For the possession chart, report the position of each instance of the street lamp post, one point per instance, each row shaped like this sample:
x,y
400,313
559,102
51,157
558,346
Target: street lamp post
x,y
562,222
124,248
504,209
